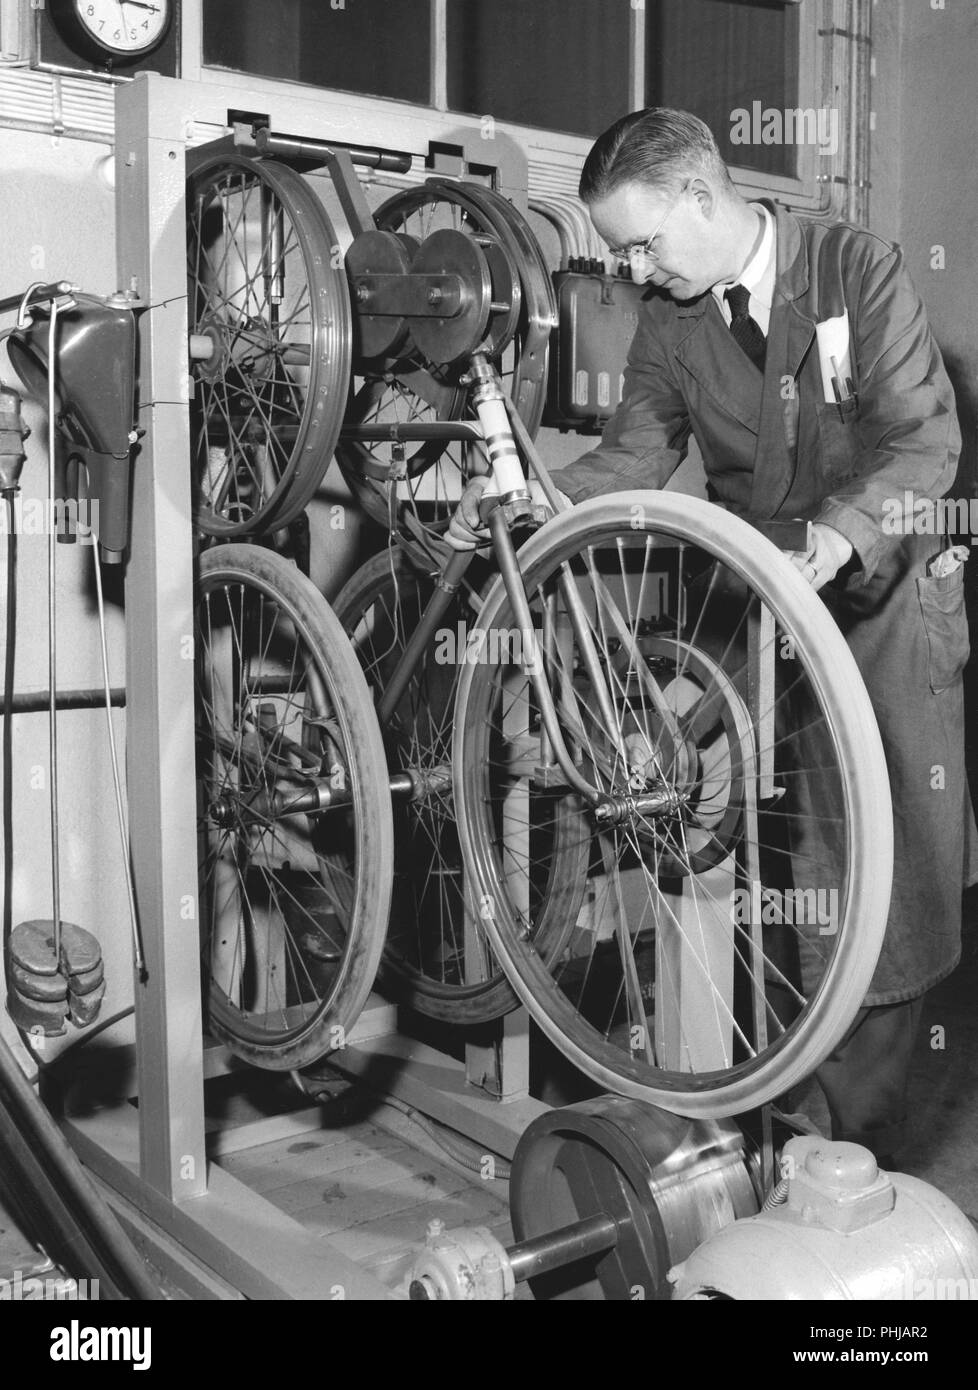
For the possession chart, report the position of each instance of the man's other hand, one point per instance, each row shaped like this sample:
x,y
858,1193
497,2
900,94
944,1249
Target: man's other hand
x,y
830,551
466,530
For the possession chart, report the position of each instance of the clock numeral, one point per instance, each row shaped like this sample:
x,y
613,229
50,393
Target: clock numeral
x,y
113,29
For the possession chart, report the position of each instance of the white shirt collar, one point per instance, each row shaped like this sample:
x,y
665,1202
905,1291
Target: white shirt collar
x,y
755,271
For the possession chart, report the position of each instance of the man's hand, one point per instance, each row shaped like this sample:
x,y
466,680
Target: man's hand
x,y
466,530
830,551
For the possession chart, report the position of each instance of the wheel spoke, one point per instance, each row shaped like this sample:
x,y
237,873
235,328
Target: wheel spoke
x,y
715,956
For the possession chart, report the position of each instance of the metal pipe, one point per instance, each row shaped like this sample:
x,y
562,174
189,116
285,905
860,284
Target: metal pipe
x,y
512,578
40,294
592,1236
203,347
447,586
90,1236
37,702
395,433
297,147
313,801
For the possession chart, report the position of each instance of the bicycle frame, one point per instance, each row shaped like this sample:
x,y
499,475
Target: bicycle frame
x,y
510,505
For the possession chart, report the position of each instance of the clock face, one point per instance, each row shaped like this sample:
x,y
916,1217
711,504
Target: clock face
x,y
122,28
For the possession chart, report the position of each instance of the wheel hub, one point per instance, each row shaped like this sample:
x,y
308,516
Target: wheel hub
x,y
661,800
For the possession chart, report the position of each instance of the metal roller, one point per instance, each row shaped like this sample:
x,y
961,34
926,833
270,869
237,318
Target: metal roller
x,y
667,1182
606,1197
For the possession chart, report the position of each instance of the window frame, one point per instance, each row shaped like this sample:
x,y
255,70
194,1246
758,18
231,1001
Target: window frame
x,y
826,66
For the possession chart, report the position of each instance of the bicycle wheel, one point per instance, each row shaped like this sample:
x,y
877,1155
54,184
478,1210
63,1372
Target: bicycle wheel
x,y
428,962
293,899
418,495
740,823
271,343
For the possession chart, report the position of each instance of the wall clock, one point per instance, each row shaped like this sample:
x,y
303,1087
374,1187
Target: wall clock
x,y
113,32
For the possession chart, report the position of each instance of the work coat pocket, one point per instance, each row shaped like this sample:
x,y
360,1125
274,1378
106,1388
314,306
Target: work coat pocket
x,y
946,625
838,440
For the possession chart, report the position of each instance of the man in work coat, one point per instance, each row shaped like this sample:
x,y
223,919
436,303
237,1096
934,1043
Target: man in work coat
x,y
743,373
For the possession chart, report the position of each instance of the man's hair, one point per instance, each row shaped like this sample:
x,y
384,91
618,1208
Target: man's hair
x,y
657,146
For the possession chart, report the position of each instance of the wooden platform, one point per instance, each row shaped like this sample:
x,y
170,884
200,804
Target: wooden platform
x,y
324,1195
370,1187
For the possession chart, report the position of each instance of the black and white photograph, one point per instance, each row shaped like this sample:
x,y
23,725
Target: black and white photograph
x,y
487,735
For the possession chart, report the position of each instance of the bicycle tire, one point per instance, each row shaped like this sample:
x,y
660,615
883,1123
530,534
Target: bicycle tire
x,y
423,964
714,543
269,399
411,388
293,908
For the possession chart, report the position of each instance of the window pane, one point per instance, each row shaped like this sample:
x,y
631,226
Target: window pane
x,y
720,57
556,64
378,47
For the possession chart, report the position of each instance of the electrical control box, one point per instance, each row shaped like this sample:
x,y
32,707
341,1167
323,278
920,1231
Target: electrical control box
x,y
597,319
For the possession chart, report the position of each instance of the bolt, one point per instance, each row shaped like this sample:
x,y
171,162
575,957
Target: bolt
x,y
435,1228
434,295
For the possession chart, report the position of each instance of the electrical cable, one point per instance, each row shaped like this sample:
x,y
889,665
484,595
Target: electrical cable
x,y
467,1154
139,961
23,314
557,219
777,1196
463,1151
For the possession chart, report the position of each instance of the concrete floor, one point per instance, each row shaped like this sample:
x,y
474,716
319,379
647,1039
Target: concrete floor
x,y
943,1099
944,1085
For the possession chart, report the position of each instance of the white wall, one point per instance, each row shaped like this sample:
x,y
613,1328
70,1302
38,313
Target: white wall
x,y
59,223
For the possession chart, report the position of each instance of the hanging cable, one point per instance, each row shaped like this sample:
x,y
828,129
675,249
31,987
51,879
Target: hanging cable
x,y
52,636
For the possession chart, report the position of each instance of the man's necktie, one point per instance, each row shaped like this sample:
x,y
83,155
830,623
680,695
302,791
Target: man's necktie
x,y
745,331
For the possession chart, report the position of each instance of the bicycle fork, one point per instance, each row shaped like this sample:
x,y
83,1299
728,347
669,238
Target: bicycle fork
x,y
515,503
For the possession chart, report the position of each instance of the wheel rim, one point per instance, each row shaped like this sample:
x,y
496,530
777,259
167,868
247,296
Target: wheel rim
x,y
425,957
690,1005
425,948
270,342
414,390
279,893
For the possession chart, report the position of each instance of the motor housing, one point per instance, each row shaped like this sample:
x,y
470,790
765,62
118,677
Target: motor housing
x,y
838,1228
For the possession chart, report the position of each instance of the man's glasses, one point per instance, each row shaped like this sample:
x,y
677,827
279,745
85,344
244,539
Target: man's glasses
x,y
644,248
